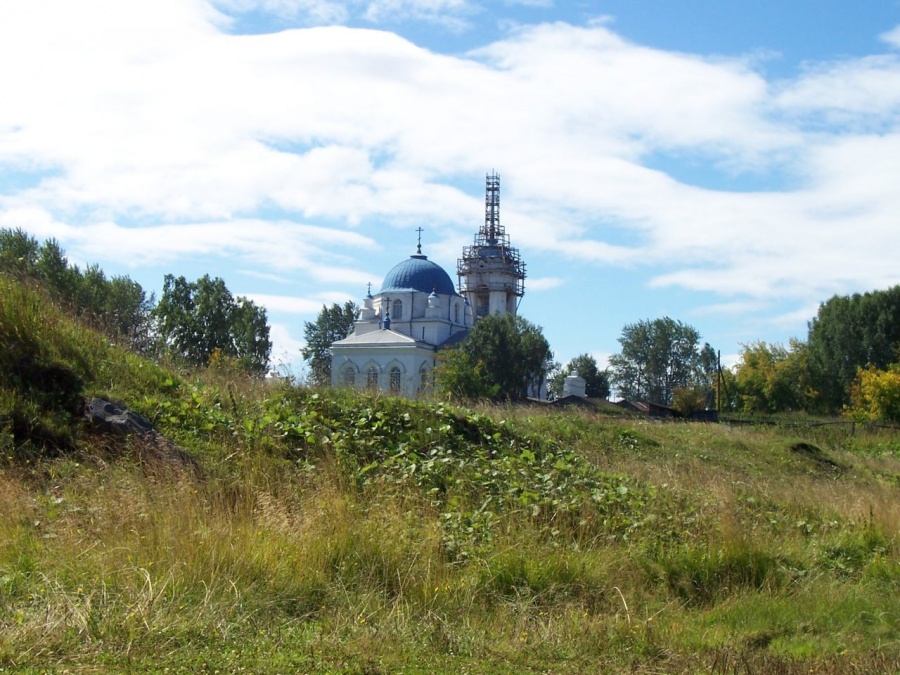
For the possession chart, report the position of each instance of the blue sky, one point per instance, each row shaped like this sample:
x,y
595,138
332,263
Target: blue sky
x,y
726,163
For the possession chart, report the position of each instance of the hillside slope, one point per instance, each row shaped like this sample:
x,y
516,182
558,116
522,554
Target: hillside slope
x,y
336,532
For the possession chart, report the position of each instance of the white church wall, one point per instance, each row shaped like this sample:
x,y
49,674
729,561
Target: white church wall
x,y
396,370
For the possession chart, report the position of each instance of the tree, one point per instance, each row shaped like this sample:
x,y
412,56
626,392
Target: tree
x,y
850,332
52,267
127,312
657,357
596,381
689,400
460,375
18,252
118,306
332,324
771,378
198,319
503,358
91,293
875,395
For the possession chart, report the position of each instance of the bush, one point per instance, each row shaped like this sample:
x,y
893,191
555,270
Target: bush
x,y
875,395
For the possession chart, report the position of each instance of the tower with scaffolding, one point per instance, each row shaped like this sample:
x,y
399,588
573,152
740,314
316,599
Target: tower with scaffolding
x,y
491,273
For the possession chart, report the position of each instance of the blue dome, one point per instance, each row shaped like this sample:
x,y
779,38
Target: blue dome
x,y
418,273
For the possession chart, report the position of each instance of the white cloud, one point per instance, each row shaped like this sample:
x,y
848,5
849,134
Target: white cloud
x,y
734,308
635,99
602,359
892,37
446,12
278,279
295,305
530,3
286,357
148,125
316,12
322,253
545,283
729,361
860,93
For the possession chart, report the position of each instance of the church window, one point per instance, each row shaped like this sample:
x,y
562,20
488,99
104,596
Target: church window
x,y
397,310
372,377
423,378
456,313
395,380
349,376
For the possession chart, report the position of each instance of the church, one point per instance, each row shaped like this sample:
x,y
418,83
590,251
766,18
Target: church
x,y
419,311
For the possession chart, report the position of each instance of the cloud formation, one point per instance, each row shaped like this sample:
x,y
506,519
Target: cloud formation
x,y
304,149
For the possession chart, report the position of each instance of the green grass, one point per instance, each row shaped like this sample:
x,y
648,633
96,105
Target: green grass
x,y
336,532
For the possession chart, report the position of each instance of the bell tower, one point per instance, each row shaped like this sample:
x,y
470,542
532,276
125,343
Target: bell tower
x,y
491,273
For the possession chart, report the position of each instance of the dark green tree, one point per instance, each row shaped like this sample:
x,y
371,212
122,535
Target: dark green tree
x,y
18,252
128,312
118,305
91,293
462,376
52,267
596,381
851,332
657,358
198,319
503,358
332,324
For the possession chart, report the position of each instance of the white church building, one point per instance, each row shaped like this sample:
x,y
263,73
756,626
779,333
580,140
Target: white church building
x,y
419,311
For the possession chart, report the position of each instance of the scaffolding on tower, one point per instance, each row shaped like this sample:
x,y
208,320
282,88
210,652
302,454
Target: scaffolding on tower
x,y
491,265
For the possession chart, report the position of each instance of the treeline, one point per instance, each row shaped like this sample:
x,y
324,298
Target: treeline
x,y
199,323
849,363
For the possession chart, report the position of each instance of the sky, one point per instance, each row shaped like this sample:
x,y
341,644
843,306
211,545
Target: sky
x,y
725,163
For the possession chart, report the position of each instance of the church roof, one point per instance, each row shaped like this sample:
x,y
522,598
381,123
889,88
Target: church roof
x,y
418,273
454,339
378,338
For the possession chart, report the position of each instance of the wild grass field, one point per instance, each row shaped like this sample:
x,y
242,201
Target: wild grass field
x,y
332,532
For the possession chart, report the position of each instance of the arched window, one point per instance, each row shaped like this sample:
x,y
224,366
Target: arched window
x,y
349,376
423,378
456,313
397,310
372,377
395,380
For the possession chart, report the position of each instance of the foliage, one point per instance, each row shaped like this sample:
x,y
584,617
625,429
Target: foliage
x,y
658,357
459,375
771,378
726,390
118,305
48,363
18,253
596,381
875,395
40,390
333,531
504,357
195,319
688,400
850,332
332,324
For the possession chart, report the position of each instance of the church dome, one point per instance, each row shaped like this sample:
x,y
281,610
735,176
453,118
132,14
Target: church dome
x,y
418,273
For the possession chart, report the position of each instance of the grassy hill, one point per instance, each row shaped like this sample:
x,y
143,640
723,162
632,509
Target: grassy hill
x,y
327,531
